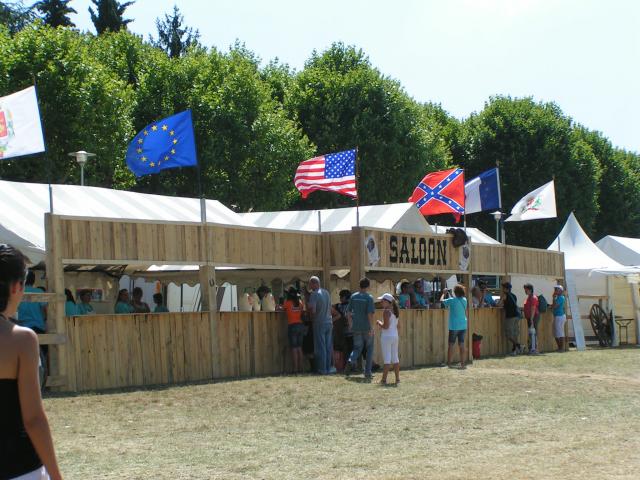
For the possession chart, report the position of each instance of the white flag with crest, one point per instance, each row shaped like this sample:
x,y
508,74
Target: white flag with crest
x,y
20,127
541,203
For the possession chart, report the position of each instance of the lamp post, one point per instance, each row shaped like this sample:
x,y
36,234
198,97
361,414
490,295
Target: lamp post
x,y
81,158
497,215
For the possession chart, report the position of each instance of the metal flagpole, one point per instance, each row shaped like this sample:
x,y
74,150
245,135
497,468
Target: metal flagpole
x,y
47,158
464,214
319,221
357,189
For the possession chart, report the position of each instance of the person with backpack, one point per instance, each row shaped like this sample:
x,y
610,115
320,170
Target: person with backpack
x,y
532,314
512,317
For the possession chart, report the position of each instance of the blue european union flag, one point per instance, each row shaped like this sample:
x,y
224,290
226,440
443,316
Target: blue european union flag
x,y
167,143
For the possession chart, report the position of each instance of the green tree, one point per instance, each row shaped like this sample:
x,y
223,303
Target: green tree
x,y
109,15
619,192
15,16
55,13
342,102
173,37
247,147
532,143
83,106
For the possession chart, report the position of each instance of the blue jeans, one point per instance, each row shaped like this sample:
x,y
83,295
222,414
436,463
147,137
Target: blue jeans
x,y
323,346
360,339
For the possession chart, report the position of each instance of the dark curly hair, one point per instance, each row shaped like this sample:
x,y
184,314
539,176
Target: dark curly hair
x,y
13,265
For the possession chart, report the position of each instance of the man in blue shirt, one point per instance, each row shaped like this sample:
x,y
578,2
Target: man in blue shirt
x,y
32,314
360,314
487,298
320,308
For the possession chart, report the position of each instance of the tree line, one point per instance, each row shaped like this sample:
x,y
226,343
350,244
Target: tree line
x,y
255,122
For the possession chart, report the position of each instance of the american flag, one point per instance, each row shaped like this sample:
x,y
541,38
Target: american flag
x,y
334,172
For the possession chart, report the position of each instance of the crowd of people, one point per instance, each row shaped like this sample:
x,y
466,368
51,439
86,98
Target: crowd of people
x,y
340,337
125,303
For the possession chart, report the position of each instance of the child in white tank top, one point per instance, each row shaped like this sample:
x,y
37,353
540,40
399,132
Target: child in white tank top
x,y
389,337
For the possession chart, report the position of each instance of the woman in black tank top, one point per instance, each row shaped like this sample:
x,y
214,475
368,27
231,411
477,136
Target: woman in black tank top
x,y
25,438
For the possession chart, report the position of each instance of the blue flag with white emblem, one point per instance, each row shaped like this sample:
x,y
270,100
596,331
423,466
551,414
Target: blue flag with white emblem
x,y
167,143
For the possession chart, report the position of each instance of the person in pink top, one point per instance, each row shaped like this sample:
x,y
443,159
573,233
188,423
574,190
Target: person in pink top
x,y
532,314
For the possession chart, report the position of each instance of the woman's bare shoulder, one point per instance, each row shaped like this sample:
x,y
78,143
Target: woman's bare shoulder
x,y
24,336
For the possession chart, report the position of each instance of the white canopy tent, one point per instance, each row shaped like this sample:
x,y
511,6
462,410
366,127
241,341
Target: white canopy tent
x,y
624,250
395,216
24,206
475,234
585,264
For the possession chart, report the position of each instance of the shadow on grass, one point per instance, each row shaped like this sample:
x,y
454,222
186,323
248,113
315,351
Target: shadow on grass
x,y
358,379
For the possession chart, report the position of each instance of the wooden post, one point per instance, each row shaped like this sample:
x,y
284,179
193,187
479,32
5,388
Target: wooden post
x,y
208,295
55,309
468,281
357,257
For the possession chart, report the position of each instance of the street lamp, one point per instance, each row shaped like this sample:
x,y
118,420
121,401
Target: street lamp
x,y
497,215
82,157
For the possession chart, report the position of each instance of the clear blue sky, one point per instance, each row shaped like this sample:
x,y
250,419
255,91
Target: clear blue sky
x,y
582,54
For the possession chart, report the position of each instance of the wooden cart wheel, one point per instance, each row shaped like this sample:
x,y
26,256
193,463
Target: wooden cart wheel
x,y
600,323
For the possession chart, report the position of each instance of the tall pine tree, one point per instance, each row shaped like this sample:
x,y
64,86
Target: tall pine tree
x,y
55,12
173,37
108,15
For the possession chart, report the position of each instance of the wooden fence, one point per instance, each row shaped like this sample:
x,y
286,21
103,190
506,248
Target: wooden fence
x,y
115,351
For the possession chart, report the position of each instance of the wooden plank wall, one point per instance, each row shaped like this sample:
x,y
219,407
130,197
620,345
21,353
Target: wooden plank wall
x,y
339,249
489,322
488,259
112,351
100,241
531,261
509,259
242,246
116,351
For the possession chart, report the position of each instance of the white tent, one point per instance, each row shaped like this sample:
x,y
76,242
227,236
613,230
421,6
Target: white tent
x,y
475,234
585,263
395,216
624,250
24,206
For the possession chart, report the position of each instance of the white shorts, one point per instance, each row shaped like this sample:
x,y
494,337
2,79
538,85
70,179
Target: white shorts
x,y
39,474
389,350
558,326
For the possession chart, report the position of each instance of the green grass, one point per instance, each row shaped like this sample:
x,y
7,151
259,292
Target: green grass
x,y
574,415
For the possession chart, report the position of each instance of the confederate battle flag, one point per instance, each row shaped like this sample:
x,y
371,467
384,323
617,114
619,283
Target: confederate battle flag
x,y
441,192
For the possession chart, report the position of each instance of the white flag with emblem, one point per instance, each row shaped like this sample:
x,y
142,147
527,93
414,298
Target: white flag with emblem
x,y
541,203
20,127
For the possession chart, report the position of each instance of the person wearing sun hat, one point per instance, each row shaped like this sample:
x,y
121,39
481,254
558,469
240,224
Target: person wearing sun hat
x,y
559,317
389,338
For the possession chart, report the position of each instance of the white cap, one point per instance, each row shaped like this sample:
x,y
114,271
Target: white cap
x,y
388,297
559,287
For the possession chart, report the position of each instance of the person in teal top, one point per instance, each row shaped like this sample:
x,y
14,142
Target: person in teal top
x,y
70,308
160,308
559,318
122,304
32,314
457,306
85,307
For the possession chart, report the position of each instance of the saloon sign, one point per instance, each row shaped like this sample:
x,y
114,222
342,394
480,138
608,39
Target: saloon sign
x,y
407,250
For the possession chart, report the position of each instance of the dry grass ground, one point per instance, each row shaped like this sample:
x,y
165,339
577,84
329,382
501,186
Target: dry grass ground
x,y
574,415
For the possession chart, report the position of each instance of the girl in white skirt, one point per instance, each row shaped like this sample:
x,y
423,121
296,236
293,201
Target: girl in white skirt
x,y
389,336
